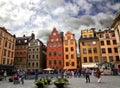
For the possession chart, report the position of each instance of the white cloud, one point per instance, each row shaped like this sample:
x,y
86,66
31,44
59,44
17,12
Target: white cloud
x,y
40,16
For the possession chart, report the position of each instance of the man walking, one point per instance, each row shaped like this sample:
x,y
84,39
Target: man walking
x,y
87,75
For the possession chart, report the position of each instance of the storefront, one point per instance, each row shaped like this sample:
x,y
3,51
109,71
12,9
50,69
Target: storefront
x,y
10,69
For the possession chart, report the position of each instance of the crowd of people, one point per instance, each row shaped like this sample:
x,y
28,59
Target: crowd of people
x,y
20,75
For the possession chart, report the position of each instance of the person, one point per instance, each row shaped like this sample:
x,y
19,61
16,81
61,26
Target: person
x,y
5,75
22,79
98,75
87,75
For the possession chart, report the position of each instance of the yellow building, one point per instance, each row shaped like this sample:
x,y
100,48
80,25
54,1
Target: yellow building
x,y
89,48
7,48
70,53
116,26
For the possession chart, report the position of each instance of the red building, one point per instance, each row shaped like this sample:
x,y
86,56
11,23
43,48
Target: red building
x,y
55,50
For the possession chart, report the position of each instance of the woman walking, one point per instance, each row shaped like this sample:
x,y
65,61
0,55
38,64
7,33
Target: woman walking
x,y
98,75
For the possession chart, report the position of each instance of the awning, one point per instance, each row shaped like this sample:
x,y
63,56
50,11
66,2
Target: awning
x,y
90,65
7,67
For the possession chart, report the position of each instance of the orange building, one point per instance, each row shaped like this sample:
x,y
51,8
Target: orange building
x,y
70,53
89,47
7,48
108,46
55,50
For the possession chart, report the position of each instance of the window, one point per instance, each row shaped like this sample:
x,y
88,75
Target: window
x,y
117,58
25,41
3,60
36,64
8,53
84,51
54,33
54,53
71,42
96,58
66,42
60,62
90,59
29,56
102,42
101,36
110,58
104,59
29,64
67,63
83,43
72,49
88,43
103,50
67,56
55,62
68,37
5,51
72,56
114,42
52,40
109,50
115,50
9,45
108,42
37,56
113,34
8,61
56,39
50,54
33,64
85,59
6,44
12,46
73,64
94,42
50,62
107,36
66,49
89,50
59,53
95,50
33,57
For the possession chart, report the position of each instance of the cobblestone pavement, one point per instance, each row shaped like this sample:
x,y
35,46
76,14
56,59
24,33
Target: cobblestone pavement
x,y
107,82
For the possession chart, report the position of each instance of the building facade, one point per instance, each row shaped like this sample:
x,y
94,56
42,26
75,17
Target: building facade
x,y
116,26
7,48
89,48
55,50
21,51
70,52
108,46
36,56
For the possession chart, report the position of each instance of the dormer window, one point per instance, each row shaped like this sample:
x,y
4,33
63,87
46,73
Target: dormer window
x,y
25,41
52,40
54,33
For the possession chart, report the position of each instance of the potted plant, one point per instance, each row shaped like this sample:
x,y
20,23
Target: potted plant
x,y
48,80
1,78
10,79
60,82
39,84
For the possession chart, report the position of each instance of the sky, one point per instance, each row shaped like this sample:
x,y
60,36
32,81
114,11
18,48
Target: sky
x,y
23,17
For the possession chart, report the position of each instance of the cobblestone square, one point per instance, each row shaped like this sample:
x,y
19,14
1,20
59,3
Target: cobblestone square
x,y
107,82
